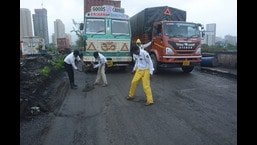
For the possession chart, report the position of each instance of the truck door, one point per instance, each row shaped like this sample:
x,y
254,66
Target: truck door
x,y
158,30
158,38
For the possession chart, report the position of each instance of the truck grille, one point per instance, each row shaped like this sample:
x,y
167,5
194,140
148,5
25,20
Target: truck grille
x,y
184,45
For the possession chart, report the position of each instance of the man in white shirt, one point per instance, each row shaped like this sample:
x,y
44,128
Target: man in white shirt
x,y
143,69
142,46
69,65
101,64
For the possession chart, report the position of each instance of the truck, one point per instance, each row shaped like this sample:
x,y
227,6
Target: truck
x,y
106,29
176,43
32,46
63,45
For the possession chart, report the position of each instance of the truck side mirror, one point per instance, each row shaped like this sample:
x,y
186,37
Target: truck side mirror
x,y
203,33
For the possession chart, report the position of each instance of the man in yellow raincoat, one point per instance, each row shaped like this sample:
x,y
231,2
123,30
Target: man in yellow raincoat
x,y
143,69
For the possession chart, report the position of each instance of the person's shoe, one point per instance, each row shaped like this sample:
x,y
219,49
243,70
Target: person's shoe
x,y
75,85
129,98
104,85
148,104
96,84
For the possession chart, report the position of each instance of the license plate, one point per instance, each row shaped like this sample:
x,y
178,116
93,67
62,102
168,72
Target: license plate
x,y
110,63
186,63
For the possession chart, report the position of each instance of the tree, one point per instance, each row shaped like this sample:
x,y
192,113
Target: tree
x,y
51,48
79,33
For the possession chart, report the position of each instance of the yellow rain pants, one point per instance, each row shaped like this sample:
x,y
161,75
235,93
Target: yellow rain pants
x,y
143,75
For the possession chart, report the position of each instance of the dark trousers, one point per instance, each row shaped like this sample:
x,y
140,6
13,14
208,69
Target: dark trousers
x,y
70,72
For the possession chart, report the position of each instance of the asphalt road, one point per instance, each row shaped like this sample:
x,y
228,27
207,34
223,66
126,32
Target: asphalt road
x,y
189,109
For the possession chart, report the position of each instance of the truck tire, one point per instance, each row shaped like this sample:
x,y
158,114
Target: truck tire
x,y
187,69
155,63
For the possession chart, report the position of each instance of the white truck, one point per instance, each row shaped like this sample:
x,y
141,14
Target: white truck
x,y
32,45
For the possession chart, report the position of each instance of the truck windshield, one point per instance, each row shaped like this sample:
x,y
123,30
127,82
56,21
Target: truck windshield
x,y
95,26
181,30
120,27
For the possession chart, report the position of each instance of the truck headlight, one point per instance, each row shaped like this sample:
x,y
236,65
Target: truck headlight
x,y
169,51
198,51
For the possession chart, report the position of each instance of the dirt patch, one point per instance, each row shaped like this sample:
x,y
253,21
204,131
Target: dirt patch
x,y
39,92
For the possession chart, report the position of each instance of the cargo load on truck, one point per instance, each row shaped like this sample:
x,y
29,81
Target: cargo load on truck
x,y
63,45
175,42
142,22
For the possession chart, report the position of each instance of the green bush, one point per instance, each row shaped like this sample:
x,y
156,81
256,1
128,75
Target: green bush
x,y
45,71
58,63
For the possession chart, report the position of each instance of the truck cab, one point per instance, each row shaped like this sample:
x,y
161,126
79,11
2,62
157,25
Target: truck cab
x,y
107,30
176,44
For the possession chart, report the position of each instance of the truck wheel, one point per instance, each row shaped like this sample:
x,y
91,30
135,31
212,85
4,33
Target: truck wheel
x,y
187,69
155,63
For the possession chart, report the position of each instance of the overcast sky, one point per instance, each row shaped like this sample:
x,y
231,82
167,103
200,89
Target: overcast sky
x,y
221,12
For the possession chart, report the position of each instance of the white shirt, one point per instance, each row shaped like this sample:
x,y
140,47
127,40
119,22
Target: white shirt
x,y
142,47
101,60
70,59
143,61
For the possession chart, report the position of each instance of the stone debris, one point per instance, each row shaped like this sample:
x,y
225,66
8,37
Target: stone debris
x,y
88,87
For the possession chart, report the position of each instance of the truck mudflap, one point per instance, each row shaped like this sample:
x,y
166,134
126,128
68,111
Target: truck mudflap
x,y
109,62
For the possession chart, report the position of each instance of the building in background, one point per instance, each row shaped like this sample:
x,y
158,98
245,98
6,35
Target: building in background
x,y
89,3
25,23
40,24
59,32
210,34
59,28
220,42
230,40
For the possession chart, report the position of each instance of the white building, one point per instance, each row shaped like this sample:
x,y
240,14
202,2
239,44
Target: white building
x,y
210,34
59,32
25,23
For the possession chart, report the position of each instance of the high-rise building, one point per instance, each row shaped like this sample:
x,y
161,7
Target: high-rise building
x,y
59,30
210,34
89,3
25,23
40,24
